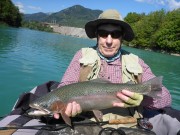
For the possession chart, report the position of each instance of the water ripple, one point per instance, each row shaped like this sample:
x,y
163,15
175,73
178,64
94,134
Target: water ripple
x,y
29,58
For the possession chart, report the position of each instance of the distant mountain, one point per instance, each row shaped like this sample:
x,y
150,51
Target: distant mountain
x,y
35,17
75,16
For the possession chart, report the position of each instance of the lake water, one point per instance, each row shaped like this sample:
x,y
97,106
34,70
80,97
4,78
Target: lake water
x,y
29,58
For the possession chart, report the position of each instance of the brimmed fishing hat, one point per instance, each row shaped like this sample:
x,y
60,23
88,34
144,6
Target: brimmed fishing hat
x,y
110,16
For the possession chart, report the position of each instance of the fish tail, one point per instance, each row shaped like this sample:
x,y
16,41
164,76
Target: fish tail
x,y
155,87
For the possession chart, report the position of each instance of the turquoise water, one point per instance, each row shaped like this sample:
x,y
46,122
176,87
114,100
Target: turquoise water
x,y
29,58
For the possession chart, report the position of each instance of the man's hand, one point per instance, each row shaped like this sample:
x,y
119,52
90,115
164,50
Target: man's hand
x,y
129,99
72,110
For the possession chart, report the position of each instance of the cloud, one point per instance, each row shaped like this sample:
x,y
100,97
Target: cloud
x,y
34,8
20,6
161,2
172,4
24,9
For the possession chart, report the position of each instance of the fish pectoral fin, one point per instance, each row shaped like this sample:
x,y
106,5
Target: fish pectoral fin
x,y
59,107
98,115
66,118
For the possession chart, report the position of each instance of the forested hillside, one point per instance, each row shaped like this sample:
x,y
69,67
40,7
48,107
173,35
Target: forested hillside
x,y
75,16
158,30
9,14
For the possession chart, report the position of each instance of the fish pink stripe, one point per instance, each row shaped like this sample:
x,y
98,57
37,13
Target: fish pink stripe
x,y
112,72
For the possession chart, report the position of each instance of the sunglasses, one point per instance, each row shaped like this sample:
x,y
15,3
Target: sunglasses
x,y
114,34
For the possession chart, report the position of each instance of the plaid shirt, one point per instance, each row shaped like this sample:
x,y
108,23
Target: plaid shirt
x,y
112,72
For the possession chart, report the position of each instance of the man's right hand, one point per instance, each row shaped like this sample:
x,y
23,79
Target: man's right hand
x,y
72,110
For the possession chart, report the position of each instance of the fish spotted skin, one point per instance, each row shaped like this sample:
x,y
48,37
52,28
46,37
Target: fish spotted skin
x,y
92,95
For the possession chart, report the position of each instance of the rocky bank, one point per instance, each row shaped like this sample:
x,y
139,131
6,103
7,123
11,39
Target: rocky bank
x,y
78,32
71,31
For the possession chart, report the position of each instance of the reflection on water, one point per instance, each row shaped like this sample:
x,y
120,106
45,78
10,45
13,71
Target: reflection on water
x,y
29,58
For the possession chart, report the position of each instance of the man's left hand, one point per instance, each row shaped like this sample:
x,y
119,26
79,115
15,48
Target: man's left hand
x,y
129,99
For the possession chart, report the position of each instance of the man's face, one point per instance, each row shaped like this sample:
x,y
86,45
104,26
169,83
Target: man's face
x,y
109,42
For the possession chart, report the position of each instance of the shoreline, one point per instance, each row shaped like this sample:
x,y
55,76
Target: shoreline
x,y
80,33
70,31
163,52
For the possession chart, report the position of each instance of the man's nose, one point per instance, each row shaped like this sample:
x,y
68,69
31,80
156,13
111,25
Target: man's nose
x,y
109,39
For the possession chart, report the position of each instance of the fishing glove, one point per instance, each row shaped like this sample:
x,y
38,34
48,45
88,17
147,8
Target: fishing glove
x,y
134,100
129,99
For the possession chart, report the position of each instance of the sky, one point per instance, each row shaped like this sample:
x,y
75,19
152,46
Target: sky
x,y
123,6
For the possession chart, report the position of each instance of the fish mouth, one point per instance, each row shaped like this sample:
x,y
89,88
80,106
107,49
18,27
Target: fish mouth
x,y
39,110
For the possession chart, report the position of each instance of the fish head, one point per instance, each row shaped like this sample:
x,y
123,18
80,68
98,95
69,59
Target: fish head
x,y
40,109
42,106
49,108
45,106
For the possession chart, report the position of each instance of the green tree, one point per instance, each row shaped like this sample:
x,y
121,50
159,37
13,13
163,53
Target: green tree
x,y
9,13
134,19
150,24
158,30
168,36
37,26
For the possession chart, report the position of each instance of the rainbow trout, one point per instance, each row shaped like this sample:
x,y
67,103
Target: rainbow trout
x,y
91,95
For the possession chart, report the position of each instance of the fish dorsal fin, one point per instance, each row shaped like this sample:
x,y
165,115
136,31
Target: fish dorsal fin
x,y
99,80
98,115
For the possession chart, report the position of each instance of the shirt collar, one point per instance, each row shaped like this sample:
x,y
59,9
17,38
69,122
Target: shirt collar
x,y
110,59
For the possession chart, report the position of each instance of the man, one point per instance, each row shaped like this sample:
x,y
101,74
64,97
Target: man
x,y
108,61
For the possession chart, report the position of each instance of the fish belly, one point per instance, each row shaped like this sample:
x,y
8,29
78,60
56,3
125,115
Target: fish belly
x,y
95,102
